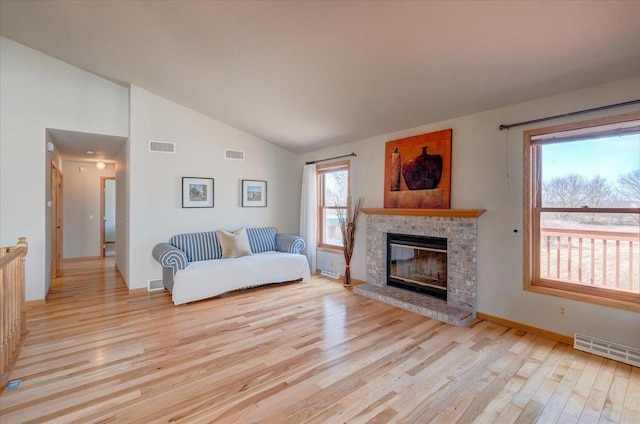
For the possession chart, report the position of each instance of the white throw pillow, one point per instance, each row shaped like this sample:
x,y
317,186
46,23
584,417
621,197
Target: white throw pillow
x,y
234,244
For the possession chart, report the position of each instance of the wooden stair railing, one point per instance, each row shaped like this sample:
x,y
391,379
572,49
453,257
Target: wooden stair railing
x,y
13,316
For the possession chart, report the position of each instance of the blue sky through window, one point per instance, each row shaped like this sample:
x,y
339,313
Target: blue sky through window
x,y
607,157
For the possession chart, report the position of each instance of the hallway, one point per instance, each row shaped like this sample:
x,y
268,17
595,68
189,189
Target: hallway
x,y
86,279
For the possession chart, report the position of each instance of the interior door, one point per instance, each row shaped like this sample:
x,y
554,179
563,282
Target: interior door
x,y
56,220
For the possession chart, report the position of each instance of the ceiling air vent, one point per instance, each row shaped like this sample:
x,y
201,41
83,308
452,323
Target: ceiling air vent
x,y
234,154
162,146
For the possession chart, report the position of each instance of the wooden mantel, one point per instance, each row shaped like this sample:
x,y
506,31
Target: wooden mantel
x,y
444,213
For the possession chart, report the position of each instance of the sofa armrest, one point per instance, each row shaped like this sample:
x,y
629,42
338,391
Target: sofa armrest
x,y
289,243
170,256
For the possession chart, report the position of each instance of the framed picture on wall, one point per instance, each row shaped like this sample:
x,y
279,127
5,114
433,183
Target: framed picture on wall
x,y
418,171
197,192
254,194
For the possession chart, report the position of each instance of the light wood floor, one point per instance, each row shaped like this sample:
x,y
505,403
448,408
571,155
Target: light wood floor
x,y
308,352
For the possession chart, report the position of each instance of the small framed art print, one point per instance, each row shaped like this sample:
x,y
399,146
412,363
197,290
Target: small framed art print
x,y
197,192
254,194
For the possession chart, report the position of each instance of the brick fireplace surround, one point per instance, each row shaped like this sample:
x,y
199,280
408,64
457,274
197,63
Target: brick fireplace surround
x,y
459,227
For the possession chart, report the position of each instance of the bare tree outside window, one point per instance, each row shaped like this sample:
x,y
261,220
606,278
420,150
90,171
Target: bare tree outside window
x,y
628,189
337,188
576,191
563,191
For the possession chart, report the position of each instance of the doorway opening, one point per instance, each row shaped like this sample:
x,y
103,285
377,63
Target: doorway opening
x,y
108,216
56,220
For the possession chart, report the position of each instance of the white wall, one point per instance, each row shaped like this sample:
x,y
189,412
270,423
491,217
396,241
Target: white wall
x,y
487,174
155,179
40,92
81,208
122,212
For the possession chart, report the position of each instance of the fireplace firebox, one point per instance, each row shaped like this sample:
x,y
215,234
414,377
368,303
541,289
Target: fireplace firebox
x,y
418,264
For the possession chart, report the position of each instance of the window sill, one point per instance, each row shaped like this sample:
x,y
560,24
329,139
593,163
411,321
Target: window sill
x,y
334,250
584,297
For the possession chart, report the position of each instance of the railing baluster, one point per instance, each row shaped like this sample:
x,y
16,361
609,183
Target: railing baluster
x,y
604,262
593,258
548,256
569,259
12,305
630,265
558,257
618,263
580,259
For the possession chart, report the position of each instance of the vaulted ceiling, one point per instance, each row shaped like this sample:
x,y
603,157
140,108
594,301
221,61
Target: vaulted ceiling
x,y
309,74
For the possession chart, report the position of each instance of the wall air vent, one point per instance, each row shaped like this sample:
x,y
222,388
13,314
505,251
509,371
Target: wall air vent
x,y
234,154
162,146
329,273
154,285
611,350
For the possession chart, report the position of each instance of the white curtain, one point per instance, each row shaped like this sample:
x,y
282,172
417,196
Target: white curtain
x,y
309,214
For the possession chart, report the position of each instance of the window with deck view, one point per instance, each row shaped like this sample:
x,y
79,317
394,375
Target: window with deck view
x,y
582,211
333,195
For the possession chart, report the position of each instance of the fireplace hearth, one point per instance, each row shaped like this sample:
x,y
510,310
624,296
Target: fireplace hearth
x,y
451,286
418,264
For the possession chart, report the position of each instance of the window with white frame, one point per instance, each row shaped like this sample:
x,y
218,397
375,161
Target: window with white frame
x,y
582,211
333,195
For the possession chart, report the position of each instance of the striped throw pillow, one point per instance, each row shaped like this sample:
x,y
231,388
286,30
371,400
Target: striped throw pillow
x,y
262,239
198,246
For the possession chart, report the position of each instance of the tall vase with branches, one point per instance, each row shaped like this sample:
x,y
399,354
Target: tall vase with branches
x,y
349,227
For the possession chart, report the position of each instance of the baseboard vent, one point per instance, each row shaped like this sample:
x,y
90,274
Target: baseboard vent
x,y
328,273
234,154
162,146
615,351
154,285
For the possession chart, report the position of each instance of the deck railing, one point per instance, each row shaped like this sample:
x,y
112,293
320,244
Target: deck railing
x,y
13,323
597,258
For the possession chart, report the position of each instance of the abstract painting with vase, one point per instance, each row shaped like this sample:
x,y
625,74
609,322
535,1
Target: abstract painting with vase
x,y
418,171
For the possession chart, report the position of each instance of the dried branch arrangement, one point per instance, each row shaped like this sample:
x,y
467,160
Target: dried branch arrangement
x,y
349,228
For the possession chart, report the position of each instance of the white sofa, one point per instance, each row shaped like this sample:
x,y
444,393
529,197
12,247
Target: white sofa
x,y
193,268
